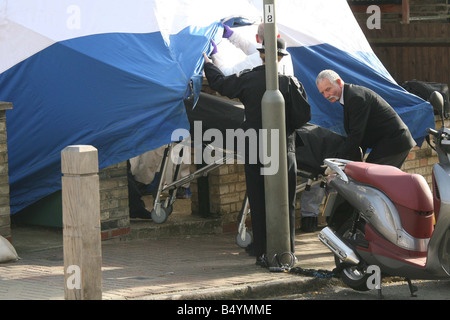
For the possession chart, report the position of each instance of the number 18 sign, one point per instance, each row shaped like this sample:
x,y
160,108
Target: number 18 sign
x,y
268,14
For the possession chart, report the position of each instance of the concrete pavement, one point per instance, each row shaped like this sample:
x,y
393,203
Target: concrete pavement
x,y
207,266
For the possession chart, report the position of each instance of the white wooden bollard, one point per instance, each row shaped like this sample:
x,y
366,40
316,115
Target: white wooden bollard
x,y
81,223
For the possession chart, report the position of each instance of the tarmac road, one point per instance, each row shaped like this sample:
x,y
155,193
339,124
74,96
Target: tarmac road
x,y
393,290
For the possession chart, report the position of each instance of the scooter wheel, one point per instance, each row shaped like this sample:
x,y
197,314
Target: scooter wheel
x,y
160,216
353,276
244,239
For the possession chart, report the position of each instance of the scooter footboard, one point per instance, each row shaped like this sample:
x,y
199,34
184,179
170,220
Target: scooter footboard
x,y
438,260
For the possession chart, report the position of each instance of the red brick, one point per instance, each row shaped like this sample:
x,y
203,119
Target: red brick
x,y
423,162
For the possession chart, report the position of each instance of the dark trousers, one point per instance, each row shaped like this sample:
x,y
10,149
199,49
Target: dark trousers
x,y
395,160
135,203
256,198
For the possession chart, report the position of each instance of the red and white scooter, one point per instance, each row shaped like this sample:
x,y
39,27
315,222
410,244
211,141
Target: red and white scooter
x,y
379,216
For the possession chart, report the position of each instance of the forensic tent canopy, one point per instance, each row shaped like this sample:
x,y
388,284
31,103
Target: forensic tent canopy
x,y
113,74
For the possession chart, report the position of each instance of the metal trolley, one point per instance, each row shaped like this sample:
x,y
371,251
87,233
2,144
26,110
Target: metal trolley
x,y
163,208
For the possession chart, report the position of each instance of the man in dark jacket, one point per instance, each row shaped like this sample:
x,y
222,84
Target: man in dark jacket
x,y
249,87
369,121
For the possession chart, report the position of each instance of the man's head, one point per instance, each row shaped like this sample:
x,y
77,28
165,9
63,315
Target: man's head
x,y
330,85
281,49
260,33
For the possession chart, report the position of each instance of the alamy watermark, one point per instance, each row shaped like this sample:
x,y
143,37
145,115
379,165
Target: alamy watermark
x,y
73,21
374,280
374,20
254,146
74,279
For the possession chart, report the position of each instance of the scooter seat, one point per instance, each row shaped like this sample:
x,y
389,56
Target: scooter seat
x,y
406,189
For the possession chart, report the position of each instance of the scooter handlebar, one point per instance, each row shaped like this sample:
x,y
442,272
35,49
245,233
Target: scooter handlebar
x,y
432,132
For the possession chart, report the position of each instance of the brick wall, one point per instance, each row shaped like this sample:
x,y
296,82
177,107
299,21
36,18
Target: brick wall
x,y
5,222
227,190
421,160
226,194
114,212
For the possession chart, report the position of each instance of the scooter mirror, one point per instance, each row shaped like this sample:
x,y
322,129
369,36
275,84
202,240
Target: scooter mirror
x,y
437,101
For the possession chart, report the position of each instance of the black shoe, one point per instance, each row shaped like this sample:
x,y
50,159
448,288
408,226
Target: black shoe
x,y
250,250
141,214
262,261
309,224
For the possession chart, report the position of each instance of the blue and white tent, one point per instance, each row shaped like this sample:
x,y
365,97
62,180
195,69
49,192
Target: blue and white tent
x,y
114,73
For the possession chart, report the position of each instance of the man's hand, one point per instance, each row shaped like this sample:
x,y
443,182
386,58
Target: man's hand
x,y
207,60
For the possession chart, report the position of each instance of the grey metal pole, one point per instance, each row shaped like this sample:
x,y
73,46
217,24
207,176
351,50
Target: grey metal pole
x,y
273,120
